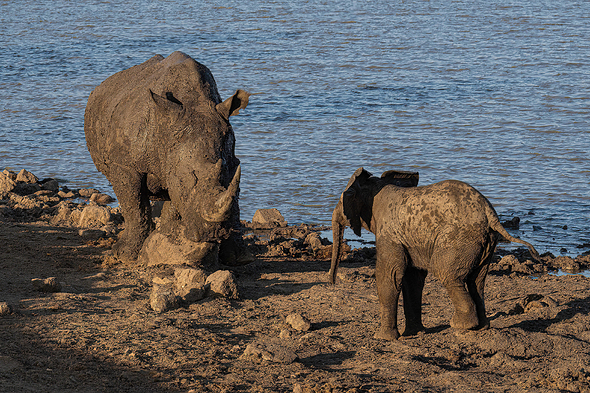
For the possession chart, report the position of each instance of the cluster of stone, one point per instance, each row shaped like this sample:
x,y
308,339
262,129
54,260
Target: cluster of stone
x,y
23,197
189,285
270,236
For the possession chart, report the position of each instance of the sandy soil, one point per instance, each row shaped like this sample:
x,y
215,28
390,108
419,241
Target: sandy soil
x,y
99,333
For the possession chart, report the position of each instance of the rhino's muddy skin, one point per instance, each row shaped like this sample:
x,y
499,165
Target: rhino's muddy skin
x,y
448,229
160,131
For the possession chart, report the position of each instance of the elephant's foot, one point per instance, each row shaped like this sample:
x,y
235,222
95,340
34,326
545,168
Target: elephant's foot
x,y
412,330
485,325
387,333
464,322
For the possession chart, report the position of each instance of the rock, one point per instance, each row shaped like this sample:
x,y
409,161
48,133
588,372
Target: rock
x,y
536,301
94,216
512,224
50,185
267,219
6,184
64,194
271,352
48,285
5,309
511,264
87,192
62,213
566,264
26,177
163,298
190,284
159,249
222,283
314,241
101,199
298,322
10,174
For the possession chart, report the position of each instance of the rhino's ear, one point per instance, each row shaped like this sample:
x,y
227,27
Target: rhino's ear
x,y
168,103
233,104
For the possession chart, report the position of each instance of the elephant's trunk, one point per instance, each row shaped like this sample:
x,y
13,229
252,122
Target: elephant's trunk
x,y
338,238
221,210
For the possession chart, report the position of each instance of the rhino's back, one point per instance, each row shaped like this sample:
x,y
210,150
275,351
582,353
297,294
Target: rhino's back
x,y
118,110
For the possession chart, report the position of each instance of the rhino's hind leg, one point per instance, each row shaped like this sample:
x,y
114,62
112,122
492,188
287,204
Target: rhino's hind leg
x,y
132,193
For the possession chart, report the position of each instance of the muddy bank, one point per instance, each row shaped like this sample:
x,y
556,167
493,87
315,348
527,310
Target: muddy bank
x,y
282,330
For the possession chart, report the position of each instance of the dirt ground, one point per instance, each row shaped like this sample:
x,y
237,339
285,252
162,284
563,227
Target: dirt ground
x,y
99,333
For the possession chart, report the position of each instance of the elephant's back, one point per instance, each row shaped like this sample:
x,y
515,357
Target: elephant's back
x,y
450,203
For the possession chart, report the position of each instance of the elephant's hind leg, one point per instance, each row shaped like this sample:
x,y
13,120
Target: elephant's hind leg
x,y
412,287
475,285
465,316
391,264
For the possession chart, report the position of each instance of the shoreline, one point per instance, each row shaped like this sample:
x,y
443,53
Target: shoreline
x,y
74,319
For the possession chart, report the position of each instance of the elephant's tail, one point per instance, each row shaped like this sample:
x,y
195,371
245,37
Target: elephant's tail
x,y
497,226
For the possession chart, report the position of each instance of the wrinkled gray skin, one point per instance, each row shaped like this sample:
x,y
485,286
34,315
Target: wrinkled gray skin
x,y
160,131
448,229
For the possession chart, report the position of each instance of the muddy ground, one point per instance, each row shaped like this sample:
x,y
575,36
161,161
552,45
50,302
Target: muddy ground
x,y
98,333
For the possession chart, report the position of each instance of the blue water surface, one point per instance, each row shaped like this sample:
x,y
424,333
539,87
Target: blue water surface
x,y
494,94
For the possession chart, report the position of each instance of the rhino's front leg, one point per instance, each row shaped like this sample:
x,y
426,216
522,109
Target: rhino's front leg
x,y
131,190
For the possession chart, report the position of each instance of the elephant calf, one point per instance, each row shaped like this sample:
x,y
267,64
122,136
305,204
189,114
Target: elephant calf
x,y
447,228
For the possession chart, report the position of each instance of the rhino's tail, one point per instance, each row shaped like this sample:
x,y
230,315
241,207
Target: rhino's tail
x,y
497,226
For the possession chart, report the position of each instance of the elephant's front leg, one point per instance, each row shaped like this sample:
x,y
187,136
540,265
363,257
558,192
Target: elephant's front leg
x,y
131,190
391,264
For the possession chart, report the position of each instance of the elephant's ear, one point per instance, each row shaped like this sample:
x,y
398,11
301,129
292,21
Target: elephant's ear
x,y
351,207
401,178
233,104
359,176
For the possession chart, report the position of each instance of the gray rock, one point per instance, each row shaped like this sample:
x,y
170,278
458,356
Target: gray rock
x,y
272,352
48,285
268,218
222,283
26,177
163,298
298,322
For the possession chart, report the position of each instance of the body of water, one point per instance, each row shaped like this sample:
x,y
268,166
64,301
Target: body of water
x,y
494,94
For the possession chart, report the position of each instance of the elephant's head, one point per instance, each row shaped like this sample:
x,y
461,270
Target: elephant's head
x,y
355,207
203,173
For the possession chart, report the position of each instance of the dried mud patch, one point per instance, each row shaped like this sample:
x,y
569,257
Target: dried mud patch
x,y
99,333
